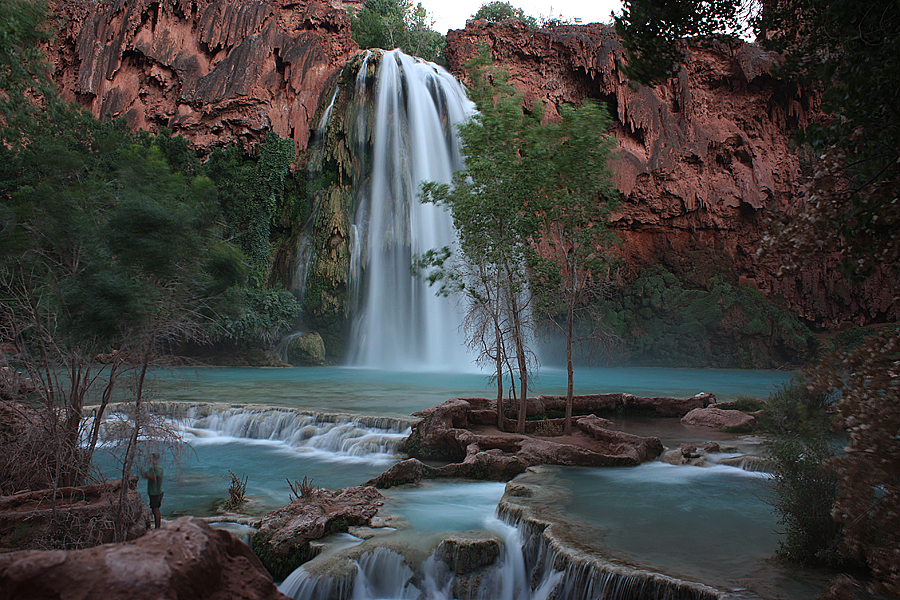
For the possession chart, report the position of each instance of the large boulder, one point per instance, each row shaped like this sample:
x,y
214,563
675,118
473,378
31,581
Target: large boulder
x,y
307,349
732,420
184,559
284,536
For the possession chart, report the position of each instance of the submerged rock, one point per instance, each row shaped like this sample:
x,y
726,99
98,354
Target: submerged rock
x,y
306,350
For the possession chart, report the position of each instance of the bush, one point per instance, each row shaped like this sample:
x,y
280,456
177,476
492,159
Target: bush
x,y
263,316
798,445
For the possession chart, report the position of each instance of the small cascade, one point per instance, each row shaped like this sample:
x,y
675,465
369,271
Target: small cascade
x,y
330,436
395,130
530,567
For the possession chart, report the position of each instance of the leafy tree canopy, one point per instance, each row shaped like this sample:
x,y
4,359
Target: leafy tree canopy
x,y
390,24
497,11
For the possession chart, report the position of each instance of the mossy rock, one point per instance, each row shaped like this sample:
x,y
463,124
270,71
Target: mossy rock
x,y
306,350
280,566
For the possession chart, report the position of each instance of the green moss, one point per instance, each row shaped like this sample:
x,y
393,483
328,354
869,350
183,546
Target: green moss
x,y
669,320
279,565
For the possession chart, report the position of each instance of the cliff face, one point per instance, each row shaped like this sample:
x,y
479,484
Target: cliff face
x,y
702,158
211,70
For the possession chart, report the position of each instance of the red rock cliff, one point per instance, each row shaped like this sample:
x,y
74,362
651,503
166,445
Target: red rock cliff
x,y
702,158
211,70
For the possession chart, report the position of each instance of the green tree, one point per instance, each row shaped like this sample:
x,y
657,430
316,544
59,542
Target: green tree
x,y
568,168
497,11
390,24
489,203
24,74
797,424
108,258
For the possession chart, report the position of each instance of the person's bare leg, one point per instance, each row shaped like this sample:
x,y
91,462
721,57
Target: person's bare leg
x,y
157,517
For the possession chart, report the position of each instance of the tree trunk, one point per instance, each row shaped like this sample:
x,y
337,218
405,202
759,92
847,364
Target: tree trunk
x,y
570,372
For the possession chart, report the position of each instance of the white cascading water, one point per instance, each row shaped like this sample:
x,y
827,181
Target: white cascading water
x,y
383,575
400,323
345,438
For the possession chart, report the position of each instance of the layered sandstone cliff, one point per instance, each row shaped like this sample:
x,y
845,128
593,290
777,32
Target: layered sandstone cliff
x,y
213,71
703,158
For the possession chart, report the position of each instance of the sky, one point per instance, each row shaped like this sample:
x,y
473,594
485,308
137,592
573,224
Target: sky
x,y
452,14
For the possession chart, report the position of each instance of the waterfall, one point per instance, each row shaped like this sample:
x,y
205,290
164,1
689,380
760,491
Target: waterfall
x,y
401,323
397,131
530,567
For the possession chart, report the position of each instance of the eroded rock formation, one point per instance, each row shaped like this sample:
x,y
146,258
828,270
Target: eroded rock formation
x,y
211,70
703,158
282,541
460,432
184,559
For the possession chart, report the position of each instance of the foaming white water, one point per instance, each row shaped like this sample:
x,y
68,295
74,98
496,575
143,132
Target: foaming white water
x,y
400,322
527,569
345,438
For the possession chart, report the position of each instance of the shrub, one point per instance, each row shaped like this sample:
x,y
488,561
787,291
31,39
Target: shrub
x,y
798,445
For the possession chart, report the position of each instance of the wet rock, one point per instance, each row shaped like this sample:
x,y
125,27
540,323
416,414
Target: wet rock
x,y
444,433
283,539
732,420
466,553
406,471
469,558
749,462
184,559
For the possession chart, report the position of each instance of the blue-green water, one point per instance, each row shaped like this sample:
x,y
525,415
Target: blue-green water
x,y
392,393
711,525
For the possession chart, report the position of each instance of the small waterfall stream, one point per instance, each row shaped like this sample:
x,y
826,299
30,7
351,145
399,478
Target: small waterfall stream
x,y
329,436
529,567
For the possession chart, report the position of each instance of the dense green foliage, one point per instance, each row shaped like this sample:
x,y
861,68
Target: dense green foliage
x,y
653,31
264,317
665,321
798,442
498,10
23,70
390,24
250,194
